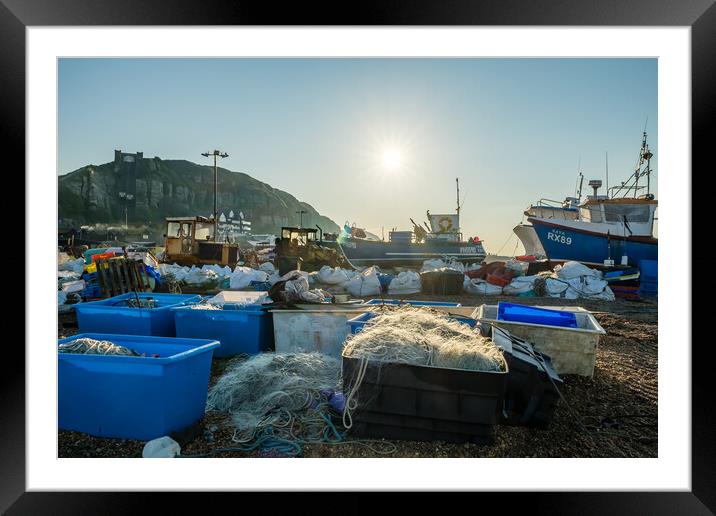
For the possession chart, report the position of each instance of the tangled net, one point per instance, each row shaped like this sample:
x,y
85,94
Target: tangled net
x,y
421,336
87,346
284,394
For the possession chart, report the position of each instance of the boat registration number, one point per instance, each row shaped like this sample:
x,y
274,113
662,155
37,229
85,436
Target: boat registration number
x,y
559,237
468,250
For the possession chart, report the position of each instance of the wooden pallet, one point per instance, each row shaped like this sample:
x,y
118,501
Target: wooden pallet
x,y
119,276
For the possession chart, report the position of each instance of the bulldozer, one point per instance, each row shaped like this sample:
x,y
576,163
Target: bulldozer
x,y
299,249
190,241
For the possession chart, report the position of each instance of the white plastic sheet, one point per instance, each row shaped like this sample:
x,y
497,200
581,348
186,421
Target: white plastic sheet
x,y
437,263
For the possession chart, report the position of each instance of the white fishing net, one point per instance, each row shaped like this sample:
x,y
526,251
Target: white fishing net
x,y
421,336
87,346
281,391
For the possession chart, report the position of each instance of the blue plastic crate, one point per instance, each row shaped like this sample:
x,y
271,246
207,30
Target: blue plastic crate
x,y
357,323
239,329
410,302
649,270
114,316
648,288
134,397
530,314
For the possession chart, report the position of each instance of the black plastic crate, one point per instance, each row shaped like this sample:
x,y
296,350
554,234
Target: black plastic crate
x,y
400,401
444,282
530,396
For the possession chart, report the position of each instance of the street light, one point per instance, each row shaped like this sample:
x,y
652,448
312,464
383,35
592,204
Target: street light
x,y
126,197
220,154
300,214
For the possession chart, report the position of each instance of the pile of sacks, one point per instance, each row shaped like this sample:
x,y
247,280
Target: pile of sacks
x,y
216,275
572,280
69,281
370,282
294,287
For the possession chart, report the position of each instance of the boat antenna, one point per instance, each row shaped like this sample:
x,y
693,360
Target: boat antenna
x,y
457,185
580,179
606,165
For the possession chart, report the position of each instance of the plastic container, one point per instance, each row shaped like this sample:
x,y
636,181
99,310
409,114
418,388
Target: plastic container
x,y
529,314
238,297
444,282
530,395
322,330
134,397
357,323
102,256
408,402
572,350
239,329
649,270
112,315
90,252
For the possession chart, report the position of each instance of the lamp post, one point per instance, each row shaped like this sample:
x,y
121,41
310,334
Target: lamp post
x,y
300,214
216,154
126,197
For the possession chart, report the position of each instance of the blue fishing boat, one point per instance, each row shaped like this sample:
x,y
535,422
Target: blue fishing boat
x,y
441,238
610,228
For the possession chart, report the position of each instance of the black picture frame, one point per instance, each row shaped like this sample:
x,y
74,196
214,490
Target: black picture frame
x,y
700,15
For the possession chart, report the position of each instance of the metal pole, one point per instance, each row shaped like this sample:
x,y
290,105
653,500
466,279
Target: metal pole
x,y
216,153
216,192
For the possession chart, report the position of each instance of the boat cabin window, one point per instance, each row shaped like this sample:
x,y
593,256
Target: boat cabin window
x,y
632,212
300,238
591,213
178,229
204,231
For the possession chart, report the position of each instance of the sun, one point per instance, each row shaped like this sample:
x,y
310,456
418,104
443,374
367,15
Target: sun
x,y
391,159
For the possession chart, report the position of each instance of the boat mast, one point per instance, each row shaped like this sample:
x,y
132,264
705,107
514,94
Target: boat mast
x,y
457,184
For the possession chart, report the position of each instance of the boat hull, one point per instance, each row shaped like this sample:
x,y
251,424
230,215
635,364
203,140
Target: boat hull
x,y
568,243
530,240
387,254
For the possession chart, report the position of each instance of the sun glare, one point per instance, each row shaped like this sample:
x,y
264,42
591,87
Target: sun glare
x,y
391,159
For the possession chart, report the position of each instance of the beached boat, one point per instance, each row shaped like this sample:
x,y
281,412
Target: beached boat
x,y
617,227
442,238
546,209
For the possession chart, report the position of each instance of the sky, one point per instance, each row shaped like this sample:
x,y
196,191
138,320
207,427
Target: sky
x,y
375,141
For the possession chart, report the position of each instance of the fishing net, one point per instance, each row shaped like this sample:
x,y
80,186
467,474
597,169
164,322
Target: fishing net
x,y
421,336
89,346
284,395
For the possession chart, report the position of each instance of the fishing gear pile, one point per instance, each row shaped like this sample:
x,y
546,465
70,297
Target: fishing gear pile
x,y
87,346
280,400
421,336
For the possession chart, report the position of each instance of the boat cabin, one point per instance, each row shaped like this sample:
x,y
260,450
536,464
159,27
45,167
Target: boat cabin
x,y
629,216
548,209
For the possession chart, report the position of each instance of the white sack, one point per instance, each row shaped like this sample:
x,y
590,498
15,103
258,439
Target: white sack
x,y
268,268
478,286
330,276
243,276
364,284
519,285
407,282
77,266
